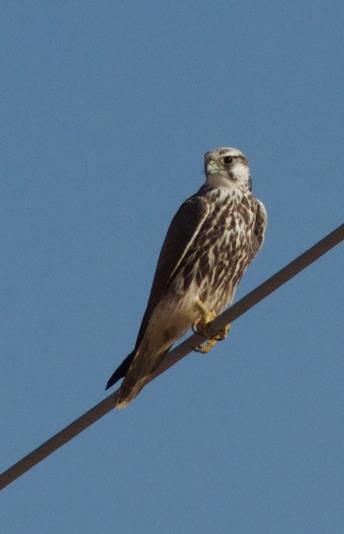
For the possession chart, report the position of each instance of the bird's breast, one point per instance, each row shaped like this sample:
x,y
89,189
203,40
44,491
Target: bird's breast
x,y
220,253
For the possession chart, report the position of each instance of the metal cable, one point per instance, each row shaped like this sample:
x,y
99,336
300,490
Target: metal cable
x,y
235,311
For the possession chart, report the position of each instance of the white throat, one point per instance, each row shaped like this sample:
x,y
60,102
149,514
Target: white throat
x,y
219,180
241,172
239,179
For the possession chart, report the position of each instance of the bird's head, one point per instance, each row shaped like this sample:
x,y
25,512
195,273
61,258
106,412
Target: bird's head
x,y
227,167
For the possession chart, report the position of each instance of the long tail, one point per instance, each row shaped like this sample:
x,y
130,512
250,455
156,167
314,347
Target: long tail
x,y
141,367
121,371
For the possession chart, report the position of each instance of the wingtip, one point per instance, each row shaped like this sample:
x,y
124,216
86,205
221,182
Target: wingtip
x,y
120,371
107,385
112,380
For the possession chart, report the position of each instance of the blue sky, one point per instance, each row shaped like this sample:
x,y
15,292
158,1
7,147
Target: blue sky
x,y
107,109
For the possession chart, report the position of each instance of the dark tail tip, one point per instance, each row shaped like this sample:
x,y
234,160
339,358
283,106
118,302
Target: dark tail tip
x,y
121,371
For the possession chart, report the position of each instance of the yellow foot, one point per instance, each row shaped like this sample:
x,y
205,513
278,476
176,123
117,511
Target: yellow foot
x,y
223,333
202,328
206,347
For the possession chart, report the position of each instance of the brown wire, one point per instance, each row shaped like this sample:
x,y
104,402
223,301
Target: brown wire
x,y
238,309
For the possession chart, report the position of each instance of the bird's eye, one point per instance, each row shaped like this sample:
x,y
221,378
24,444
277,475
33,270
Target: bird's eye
x,y
227,160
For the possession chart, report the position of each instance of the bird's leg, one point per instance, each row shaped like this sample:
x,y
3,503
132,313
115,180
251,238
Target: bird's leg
x,y
201,327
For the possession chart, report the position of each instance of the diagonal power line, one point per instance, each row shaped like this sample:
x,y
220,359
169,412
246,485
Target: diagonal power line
x,y
235,311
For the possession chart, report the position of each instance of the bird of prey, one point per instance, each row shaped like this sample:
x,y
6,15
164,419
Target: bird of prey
x,y
211,240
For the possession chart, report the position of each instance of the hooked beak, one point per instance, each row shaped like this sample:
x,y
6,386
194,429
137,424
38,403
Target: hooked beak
x,y
211,166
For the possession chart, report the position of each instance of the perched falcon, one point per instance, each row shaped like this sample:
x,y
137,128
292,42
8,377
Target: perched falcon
x,y
211,240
